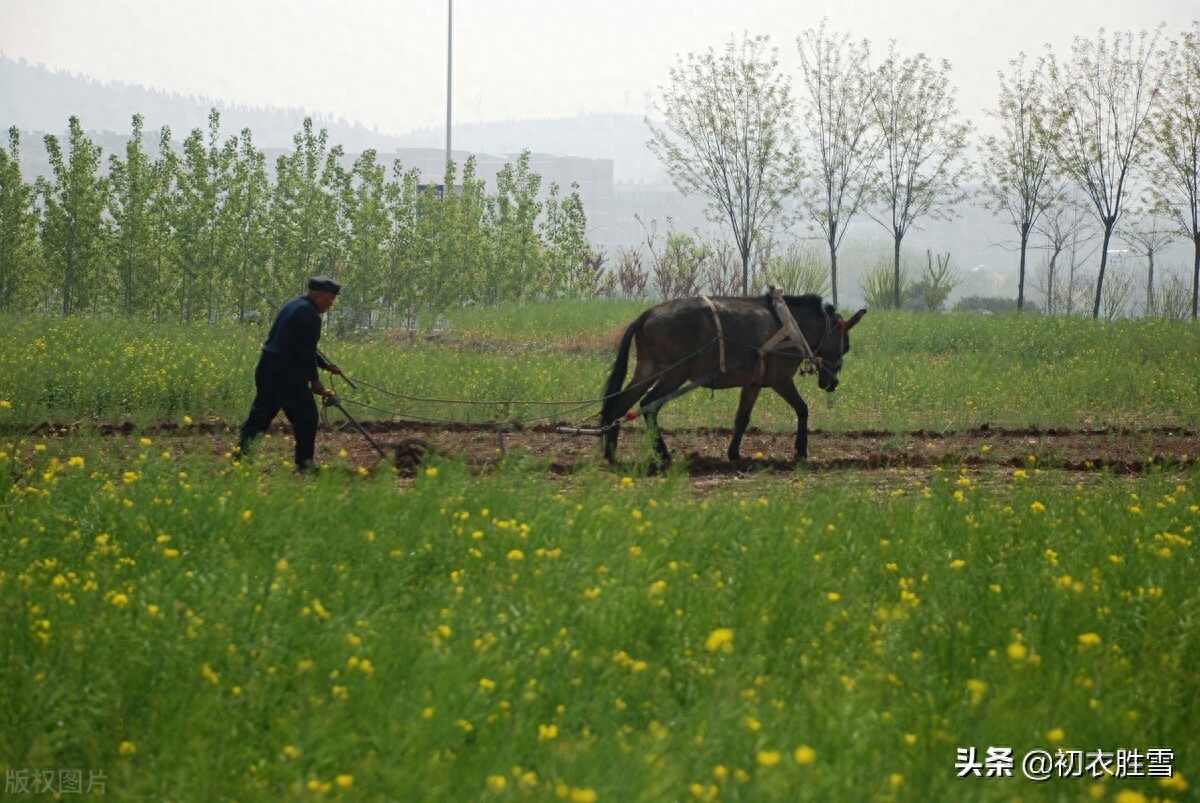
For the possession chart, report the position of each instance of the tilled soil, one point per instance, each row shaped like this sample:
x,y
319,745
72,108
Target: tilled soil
x,y
701,452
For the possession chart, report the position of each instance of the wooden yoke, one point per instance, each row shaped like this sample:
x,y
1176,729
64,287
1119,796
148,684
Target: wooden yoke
x,y
788,330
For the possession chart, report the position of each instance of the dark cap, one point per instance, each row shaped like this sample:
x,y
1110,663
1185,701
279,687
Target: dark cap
x,y
325,284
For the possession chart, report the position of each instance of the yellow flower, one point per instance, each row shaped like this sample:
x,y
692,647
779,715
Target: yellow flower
x,y
290,751
768,758
978,688
1129,796
345,781
127,748
1089,640
547,733
957,564
1055,735
1037,507
516,555
833,596
720,639
583,796
5,404
486,684
804,755
432,472
75,462
1176,783
1017,651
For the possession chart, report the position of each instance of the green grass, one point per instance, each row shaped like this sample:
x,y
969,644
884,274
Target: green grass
x,y
548,362
197,630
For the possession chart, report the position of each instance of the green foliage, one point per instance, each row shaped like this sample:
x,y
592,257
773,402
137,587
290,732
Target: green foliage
x,y
878,286
799,269
72,226
18,229
938,282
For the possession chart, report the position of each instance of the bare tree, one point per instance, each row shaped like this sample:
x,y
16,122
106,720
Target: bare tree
x,y
1108,88
1018,181
1068,238
1175,165
922,160
726,134
1146,235
839,142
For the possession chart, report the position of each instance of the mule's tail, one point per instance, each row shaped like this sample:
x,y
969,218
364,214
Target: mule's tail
x,y
616,378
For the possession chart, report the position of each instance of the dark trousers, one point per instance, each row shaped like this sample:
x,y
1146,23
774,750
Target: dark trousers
x,y
278,388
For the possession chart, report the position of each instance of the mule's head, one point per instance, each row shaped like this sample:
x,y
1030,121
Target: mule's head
x,y
835,346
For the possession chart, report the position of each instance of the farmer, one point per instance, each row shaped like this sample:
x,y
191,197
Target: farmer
x,y
286,375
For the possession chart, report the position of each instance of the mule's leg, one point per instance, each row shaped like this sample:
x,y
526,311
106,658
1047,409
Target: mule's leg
x,y
742,420
661,388
787,389
617,407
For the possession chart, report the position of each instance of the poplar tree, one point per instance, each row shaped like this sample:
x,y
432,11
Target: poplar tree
x,y
133,182
18,227
512,216
363,276
306,213
202,187
247,220
72,229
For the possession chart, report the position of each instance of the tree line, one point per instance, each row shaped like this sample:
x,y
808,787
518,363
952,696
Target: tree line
x,y
205,231
1107,137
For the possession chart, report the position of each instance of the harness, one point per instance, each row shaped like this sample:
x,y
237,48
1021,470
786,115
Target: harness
x,y
788,330
720,333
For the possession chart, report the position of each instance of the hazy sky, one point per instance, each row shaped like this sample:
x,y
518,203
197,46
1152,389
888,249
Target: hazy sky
x,y
383,62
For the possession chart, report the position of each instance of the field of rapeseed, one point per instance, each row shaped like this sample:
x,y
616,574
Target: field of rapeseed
x,y
179,627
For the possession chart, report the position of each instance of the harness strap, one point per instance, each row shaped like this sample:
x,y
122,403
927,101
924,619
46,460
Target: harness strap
x,y
788,330
720,333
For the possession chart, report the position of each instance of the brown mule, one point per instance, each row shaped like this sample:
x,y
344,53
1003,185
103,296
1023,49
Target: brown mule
x,y
725,342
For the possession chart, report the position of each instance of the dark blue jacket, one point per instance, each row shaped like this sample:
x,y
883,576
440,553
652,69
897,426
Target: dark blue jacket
x,y
292,341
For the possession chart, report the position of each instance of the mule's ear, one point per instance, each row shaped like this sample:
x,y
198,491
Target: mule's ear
x,y
854,319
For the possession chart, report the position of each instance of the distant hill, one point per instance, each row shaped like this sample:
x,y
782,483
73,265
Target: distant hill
x,y
38,99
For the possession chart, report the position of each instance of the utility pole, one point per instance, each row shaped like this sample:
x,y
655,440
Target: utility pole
x,y
449,70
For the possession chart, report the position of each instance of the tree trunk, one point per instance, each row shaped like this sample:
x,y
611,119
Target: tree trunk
x,y
1195,271
745,249
1150,311
1021,270
833,266
896,272
1108,229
